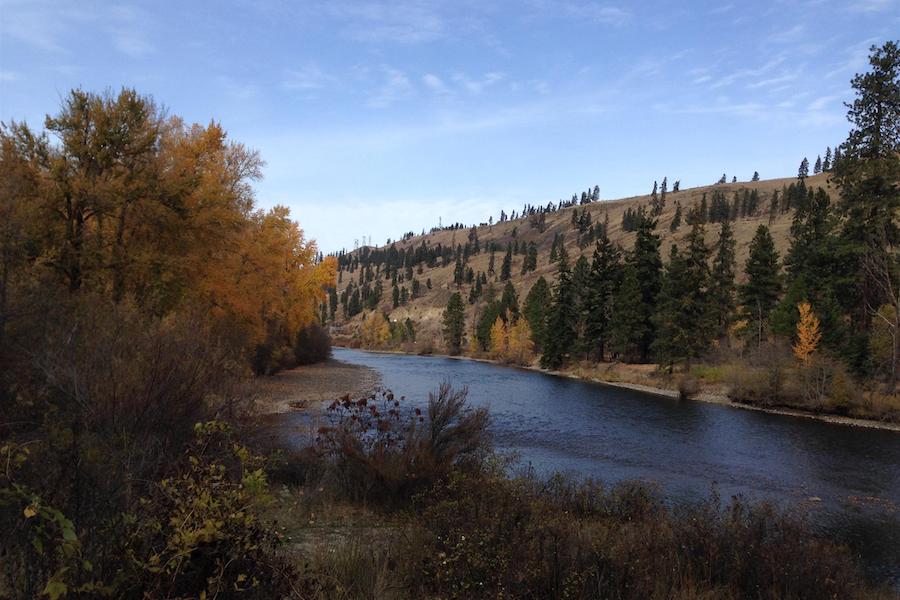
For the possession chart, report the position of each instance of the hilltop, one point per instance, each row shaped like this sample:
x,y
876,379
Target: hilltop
x,y
426,308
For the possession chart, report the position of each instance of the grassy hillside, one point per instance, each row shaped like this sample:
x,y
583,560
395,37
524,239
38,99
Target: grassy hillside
x,y
426,310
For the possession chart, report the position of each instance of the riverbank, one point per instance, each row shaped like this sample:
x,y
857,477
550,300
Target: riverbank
x,y
301,387
358,523
646,379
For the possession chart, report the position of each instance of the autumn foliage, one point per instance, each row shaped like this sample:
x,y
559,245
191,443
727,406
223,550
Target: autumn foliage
x,y
375,331
808,334
116,198
512,342
139,284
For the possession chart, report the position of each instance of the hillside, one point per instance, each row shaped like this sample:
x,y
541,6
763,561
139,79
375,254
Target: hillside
x,y
426,310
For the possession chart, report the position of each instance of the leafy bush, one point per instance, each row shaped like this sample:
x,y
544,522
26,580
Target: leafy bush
x,y
313,345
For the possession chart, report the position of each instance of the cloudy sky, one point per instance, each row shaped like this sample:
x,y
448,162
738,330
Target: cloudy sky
x,y
379,117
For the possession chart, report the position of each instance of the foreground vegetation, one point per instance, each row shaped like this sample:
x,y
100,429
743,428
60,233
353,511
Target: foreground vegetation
x,y
394,502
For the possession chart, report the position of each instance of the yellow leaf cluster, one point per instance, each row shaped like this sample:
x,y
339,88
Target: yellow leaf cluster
x,y
499,341
808,334
512,342
520,348
375,331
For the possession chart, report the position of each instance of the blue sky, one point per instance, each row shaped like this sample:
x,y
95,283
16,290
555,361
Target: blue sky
x,y
378,117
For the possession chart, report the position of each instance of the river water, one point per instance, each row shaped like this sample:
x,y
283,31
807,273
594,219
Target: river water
x,y
845,480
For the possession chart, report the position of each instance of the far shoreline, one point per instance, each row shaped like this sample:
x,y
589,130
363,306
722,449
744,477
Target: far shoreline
x,y
707,397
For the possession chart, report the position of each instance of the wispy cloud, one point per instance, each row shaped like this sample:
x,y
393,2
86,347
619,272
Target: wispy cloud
x,y
598,13
749,76
822,102
790,35
127,26
238,90
47,25
435,83
773,81
478,85
307,77
872,6
396,86
403,21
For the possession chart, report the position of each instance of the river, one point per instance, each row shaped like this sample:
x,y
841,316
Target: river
x,y
845,480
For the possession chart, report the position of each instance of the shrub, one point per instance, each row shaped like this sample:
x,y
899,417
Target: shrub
x,y
313,345
485,535
105,404
688,387
383,450
199,531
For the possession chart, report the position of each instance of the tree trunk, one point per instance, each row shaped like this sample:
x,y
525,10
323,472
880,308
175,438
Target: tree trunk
x,y
895,353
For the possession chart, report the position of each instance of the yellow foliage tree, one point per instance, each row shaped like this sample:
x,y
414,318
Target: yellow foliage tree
x,y
499,340
520,346
374,331
132,203
808,334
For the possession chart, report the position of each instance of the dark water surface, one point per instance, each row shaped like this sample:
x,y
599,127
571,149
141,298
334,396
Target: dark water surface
x,y
846,479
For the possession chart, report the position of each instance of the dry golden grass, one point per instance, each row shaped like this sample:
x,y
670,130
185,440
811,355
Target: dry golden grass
x,y
426,310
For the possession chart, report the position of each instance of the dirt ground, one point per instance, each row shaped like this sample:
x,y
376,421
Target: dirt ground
x,y
307,386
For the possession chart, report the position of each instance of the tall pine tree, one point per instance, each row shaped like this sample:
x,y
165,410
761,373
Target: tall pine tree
x,y
535,310
603,284
561,320
759,293
722,287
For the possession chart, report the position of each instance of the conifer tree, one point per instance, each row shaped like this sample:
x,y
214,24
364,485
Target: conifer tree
x,y
629,328
492,311
722,287
459,272
683,317
509,302
581,293
676,220
817,166
755,176
759,293
560,323
535,311
867,173
506,267
826,162
803,171
604,282
454,323
648,267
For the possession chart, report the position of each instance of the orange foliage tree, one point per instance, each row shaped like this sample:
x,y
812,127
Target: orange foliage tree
x,y
127,202
808,334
